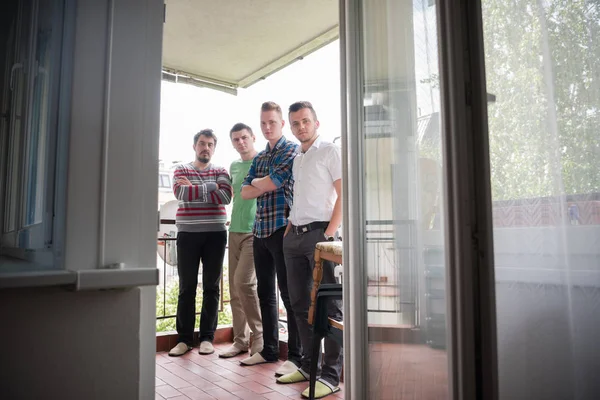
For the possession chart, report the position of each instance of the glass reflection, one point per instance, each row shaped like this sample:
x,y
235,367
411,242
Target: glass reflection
x,y
402,189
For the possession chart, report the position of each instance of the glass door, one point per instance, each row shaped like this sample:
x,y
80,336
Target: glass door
x,y
396,343
420,306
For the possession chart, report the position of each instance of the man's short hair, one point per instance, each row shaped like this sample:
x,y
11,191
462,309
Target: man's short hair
x,y
271,106
206,133
299,105
240,126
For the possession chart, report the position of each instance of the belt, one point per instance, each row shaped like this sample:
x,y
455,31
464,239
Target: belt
x,y
302,229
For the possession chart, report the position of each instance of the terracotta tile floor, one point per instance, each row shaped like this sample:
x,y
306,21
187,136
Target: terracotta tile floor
x,y
407,372
396,371
200,377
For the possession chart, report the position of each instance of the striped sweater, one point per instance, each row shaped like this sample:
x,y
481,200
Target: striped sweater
x,y
202,205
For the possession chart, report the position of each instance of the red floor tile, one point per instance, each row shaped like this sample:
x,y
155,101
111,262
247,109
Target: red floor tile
x,y
239,379
256,387
167,391
170,378
274,396
222,394
194,393
248,395
229,386
396,371
162,358
283,389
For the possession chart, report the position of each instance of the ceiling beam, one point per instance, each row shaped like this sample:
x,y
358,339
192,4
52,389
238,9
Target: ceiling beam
x,y
297,54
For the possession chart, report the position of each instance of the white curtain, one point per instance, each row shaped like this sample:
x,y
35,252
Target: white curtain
x,y
542,64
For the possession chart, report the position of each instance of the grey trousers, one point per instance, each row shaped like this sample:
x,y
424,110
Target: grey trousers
x,y
299,251
242,288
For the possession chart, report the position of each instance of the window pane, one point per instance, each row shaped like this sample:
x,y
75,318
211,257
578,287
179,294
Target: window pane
x,y
15,96
30,101
38,141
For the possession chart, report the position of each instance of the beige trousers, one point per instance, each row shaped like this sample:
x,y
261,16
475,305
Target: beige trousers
x,y
242,288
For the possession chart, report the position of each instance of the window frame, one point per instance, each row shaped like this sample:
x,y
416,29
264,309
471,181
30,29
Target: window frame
x,y
39,244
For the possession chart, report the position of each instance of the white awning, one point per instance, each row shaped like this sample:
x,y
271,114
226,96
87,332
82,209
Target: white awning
x,y
230,44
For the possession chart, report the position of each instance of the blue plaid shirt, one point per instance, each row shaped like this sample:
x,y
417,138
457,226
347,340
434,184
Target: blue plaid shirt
x,y
273,208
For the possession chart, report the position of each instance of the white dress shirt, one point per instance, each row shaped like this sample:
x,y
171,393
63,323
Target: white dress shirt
x,y
314,173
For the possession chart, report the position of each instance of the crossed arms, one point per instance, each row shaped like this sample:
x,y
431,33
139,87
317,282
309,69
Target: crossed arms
x,y
254,187
219,192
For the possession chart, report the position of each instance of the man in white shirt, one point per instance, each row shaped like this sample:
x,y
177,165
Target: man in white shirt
x,y
315,216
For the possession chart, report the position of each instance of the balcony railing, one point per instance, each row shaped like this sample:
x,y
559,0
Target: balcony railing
x,y
168,289
392,267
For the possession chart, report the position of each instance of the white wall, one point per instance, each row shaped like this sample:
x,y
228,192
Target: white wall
x,y
101,344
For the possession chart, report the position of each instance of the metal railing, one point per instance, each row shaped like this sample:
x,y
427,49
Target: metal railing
x,y
392,263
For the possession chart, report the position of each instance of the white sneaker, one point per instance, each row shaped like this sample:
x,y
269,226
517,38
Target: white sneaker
x,y
206,347
179,350
253,360
232,351
287,368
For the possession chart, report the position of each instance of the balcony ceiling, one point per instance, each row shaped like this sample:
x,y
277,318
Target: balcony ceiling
x,y
231,44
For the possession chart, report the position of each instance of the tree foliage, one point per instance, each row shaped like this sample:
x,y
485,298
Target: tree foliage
x,y
542,62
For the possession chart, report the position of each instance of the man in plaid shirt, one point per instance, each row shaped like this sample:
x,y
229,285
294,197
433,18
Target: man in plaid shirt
x,y
270,182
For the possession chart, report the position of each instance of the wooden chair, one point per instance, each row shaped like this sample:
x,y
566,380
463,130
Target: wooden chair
x,y
320,296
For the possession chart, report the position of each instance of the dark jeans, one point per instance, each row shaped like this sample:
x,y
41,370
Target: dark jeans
x,y
268,262
300,261
193,247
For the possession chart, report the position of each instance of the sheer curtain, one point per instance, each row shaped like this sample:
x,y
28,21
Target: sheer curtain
x,y
542,65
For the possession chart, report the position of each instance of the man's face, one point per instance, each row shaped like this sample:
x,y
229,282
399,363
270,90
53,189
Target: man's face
x,y
271,125
303,125
243,141
205,148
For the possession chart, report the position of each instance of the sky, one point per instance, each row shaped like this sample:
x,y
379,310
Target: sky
x,y
187,109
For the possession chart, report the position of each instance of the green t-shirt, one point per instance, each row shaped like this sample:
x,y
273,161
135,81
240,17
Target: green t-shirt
x,y
243,212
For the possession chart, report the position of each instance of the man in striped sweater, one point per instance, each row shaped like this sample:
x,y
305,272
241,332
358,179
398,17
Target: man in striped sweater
x,y
203,190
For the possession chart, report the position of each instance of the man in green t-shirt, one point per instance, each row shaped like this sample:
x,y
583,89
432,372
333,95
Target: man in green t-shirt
x,y
242,276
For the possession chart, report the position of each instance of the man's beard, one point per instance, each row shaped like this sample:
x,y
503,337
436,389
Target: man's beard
x,y
311,137
203,159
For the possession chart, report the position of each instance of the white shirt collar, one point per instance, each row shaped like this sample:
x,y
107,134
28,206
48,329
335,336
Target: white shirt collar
x,y
316,144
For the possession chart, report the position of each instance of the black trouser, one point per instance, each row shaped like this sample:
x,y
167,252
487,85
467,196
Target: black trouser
x,y
193,247
300,263
269,262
